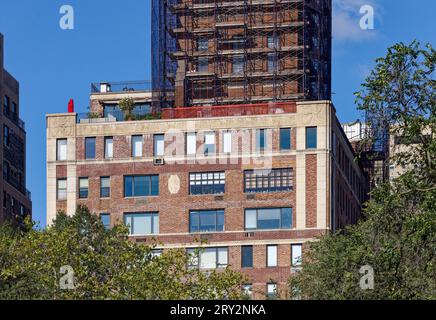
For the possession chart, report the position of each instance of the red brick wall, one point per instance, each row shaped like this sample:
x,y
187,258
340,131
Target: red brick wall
x,y
311,192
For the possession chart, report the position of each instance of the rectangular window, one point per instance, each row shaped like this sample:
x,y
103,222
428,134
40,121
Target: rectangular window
x,y
209,258
14,110
61,149
142,223
274,180
273,41
238,64
260,140
105,219
202,44
247,256
271,253
271,290
83,188
105,187
6,136
227,142
268,219
159,145
203,64
89,148
296,251
62,189
7,104
285,139
109,147
311,137
247,289
207,183
209,143
136,146
272,62
191,143
206,221
141,186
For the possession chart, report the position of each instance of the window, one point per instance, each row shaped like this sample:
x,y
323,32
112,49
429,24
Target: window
x,y
207,183
136,146
203,64
6,136
274,180
141,186
247,289
83,188
209,143
238,64
285,139
296,251
105,219
89,148
247,256
271,254
142,223
311,138
191,143
159,145
6,170
271,290
272,62
209,258
61,147
268,219
202,44
14,110
206,221
273,41
62,189
6,106
227,142
260,140
105,187
108,147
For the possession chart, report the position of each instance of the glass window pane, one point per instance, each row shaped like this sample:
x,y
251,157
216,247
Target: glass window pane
x,y
286,218
220,221
159,145
105,182
285,139
141,187
155,224
128,186
83,182
90,148
296,254
250,219
62,149
272,256
194,221
109,148
141,224
208,259
247,257
227,143
136,146
222,257
191,143
269,218
311,138
105,220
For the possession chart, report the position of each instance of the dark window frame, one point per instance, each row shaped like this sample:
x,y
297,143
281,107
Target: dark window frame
x,y
277,176
310,144
154,215
150,186
282,227
217,213
105,192
88,154
244,263
83,192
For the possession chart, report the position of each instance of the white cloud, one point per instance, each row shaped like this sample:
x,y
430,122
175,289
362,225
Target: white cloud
x,y
346,20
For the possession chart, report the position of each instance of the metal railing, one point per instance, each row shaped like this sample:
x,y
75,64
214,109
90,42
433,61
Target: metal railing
x,y
115,116
124,86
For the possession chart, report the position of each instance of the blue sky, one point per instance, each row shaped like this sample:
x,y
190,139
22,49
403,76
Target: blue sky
x,y
111,42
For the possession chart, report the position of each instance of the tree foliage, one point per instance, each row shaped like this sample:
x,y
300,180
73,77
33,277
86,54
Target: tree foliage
x,y
397,236
106,265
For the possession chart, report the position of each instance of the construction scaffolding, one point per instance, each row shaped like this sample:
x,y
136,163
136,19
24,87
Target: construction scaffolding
x,y
219,52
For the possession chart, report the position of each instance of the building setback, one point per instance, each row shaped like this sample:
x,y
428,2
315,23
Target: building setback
x,y
255,182
216,52
16,203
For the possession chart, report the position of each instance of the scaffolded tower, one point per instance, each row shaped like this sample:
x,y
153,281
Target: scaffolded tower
x,y
210,52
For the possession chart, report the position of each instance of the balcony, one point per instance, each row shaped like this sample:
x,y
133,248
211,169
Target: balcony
x,y
116,116
121,87
230,110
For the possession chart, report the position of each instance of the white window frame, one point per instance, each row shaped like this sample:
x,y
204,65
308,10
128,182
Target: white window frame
x,y
108,147
191,143
64,197
297,254
209,140
137,145
272,256
159,145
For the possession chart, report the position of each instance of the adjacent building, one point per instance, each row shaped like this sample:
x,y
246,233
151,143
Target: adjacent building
x,y
254,182
218,52
15,198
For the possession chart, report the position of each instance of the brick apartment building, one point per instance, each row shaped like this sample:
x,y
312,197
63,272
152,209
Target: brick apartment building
x,y
16,203
255,181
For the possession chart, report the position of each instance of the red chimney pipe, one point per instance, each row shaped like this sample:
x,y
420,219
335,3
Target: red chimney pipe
x,y
71,106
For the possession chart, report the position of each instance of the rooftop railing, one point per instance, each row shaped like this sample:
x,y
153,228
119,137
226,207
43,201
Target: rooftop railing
x,y
125,86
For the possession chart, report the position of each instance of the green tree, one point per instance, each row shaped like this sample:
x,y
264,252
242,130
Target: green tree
x,y
397,236
106,265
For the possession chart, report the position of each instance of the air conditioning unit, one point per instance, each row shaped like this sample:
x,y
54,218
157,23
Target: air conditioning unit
x,y
159,161
249,234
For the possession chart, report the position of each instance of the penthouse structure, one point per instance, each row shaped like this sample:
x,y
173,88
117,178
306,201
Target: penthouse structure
x,y
16,202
